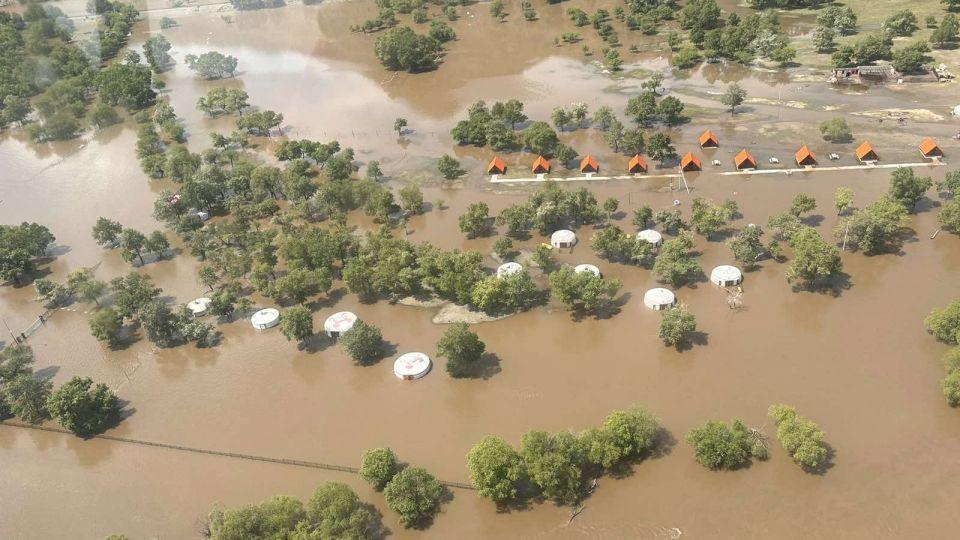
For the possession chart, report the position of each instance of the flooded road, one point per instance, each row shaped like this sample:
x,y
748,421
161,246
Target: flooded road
x,y
859,363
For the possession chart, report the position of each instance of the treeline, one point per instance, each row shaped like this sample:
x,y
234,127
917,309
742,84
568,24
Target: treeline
x,y
78,405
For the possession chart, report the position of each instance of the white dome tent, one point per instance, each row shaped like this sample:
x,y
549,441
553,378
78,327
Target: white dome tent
x,y
650,236
265,318
587,268
339,323
509,269
659,299
563,238
411,365
199,306
726,275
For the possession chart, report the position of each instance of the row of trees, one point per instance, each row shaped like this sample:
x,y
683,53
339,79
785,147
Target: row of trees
x,y
944,324
78,405
411,492
132,243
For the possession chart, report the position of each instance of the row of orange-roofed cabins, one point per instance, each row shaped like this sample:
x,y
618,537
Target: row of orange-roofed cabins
x,y
743,161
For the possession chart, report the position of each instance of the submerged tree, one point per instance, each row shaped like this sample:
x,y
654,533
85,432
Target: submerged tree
x,y
83,408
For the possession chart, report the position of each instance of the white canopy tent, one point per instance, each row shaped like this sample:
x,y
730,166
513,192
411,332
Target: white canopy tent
x,y
587,268
339,323
509,269
650,236
659,299
265,318
411,365
563,238
726,275
199,307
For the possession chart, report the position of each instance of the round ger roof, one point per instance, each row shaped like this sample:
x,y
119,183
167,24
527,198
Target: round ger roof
x,y
724,273
587,268
563,236
411,365
651,236
509,269
265,317
658,297
340,321
200,305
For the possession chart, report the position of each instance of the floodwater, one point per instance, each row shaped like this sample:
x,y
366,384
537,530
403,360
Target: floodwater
x,y
858,363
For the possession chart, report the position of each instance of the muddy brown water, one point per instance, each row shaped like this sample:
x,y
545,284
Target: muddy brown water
x,y
859,364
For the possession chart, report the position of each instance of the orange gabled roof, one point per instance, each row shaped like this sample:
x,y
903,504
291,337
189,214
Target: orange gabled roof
x,y
804,154
496,166
865,150
637,161
929,147
541,163
744,158
708,138
589,164
690,159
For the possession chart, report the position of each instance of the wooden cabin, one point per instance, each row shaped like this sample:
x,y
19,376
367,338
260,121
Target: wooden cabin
x,y
744,161
637,165
690,163
805,157
541,165
496,166
589,165
866,153
709,140
929,149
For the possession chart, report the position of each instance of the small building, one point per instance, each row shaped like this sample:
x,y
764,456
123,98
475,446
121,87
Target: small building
x,y
805,157
265,318
338,323
659,299
580,268
199,307
509,269
411,365
744,161
863,74
563,239
709,140
866,153
690,163
496,166
637,165
929,149
541,165
589,165
726,275
650,236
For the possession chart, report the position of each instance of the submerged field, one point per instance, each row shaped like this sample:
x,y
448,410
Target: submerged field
x,y
857,361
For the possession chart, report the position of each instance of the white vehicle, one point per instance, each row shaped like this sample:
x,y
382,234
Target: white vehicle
x,y
716,163
834,156
773,160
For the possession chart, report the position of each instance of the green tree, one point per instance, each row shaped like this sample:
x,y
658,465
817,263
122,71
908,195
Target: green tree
x,y
800,437
212,65
401,49
105,325
334,511
660,146
158,322
802,204
814,259
398,125
276,517
949,216
746,246
582,290
495,469
475,222
363,342
414,494
539,137
83,408
676,325
836,130
103,115
378,467
907,188
156,49
843,199
132,242
944,323
297,323
555,464
449,167
676,264
875,228
462,348
708,218
721,446
901,23
126,85
132,292
27,396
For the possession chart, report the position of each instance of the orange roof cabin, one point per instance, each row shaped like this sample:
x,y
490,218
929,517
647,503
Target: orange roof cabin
x,y
805,157
709,140
929,149
637,165
690,162
541,165
589,165
496,166
744,161
865,153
